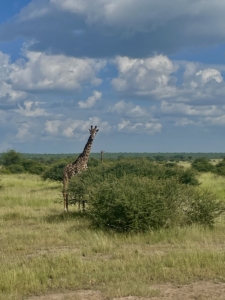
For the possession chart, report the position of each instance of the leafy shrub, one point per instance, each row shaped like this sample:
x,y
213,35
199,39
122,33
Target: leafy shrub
x,y
4,171
146,168
139,204
11,157
16,169
78,191
93,162
220,168
33,166
55,172
202,164
188,177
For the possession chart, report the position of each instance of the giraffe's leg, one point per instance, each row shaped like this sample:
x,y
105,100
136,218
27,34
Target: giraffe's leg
x,y
83,205
66,201
65,195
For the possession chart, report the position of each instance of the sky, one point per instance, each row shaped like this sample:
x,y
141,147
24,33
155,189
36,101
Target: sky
x,y
150,74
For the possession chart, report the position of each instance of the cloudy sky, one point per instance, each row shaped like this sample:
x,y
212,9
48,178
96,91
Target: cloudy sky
x,y
150,74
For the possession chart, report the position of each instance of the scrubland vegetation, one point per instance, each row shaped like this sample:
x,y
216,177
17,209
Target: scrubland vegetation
x,y
147,223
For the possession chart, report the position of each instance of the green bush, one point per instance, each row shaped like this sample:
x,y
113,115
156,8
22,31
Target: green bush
x,y
188,177
33,166
16,169
78,191
11,157
93,162
220,168
4,171
55,172
138,204
202,164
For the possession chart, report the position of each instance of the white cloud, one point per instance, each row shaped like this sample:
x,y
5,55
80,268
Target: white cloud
x,y
6,90
74,128
185,109
184,122
145,76
215,121
52,127
54,72
24,132
128,109
209,74
139,127
156,78
31,110
91,101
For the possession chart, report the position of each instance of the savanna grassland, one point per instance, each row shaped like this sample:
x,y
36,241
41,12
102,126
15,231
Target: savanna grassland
x,y
49,254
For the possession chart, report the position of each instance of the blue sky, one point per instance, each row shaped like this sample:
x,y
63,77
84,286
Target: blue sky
x,y
149,74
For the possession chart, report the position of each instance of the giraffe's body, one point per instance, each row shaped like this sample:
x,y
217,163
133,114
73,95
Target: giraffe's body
x,y
78,166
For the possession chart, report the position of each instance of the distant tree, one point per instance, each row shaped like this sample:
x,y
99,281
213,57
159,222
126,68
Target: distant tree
x,y
159,158
11,157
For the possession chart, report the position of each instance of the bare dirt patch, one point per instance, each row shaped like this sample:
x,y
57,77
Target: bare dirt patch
x,y
194,291
75,295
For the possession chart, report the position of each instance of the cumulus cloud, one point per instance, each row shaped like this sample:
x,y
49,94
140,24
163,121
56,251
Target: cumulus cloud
x,y
128,28
30,109
145,76
128,108
185,109
185,122
74,128
7,93
139,127
91,101
53,72
23,131
159,78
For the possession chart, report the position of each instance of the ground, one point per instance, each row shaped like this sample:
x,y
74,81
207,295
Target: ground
x,y
197,290
47,254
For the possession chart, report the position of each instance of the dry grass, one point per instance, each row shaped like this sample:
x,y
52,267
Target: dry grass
x,y
43,249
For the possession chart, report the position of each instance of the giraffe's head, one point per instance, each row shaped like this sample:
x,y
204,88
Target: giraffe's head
x,y
93,131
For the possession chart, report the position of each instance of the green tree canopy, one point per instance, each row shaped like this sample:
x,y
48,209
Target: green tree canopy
x,y
11,157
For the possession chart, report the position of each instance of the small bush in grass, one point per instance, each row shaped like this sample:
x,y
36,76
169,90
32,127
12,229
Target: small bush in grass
x,y
16,169
202,164
139,204
220,168
188,177
3,170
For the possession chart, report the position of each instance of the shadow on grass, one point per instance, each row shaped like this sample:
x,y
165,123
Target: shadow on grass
x,y
64,216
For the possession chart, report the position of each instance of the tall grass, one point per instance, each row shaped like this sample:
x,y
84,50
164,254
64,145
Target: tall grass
x,y
44,249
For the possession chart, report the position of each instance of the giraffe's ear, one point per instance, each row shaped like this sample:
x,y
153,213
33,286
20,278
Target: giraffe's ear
x,y
97,130
89,130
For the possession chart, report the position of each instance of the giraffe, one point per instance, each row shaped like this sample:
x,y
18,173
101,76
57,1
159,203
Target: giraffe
x,y
78,166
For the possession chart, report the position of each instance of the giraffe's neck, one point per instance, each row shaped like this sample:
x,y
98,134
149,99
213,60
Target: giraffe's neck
x,y
86,152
